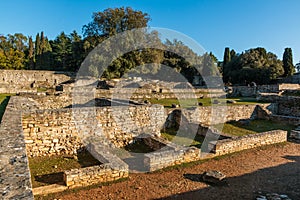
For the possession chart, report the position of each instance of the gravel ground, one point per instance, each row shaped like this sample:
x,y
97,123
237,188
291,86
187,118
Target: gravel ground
x,y
269,169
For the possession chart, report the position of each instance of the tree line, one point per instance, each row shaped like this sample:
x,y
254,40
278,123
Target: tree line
x,y
256,65
67,51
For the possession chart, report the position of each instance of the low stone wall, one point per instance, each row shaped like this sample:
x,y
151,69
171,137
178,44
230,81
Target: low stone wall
x,y
15,180
53,132
207,115
248,91
162,159
227,146
112,169
166,153
92,175
14,81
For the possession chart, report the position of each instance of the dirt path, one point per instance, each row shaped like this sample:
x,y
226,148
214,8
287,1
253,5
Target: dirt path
x,y
269,169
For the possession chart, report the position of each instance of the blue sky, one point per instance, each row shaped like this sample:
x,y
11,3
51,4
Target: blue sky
x,y
215,24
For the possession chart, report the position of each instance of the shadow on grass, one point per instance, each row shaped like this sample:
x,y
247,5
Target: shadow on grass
x,y
48,179
50,170
3,106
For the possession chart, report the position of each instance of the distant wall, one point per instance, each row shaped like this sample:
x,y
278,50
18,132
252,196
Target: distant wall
x,y
207,115
226,146
14,81
51,132
247,91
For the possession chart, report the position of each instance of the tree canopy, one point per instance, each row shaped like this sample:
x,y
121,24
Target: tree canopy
x,y
254,65
67,52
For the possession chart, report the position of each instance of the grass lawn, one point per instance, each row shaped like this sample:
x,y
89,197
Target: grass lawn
x,y
188,139
186,103
4,99
49,170
229,128
255,126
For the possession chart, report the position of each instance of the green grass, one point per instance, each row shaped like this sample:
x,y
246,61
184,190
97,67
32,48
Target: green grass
x,y
255,126
49,170
42,89
189,139
186,103
4,99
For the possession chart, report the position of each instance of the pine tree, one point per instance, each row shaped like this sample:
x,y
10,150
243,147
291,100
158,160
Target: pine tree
x,y
288,66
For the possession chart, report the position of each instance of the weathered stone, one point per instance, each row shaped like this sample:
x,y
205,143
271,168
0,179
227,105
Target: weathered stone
x,y
213,176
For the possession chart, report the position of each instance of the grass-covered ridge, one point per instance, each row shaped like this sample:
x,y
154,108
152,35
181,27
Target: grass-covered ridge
x,y
186,103
49,170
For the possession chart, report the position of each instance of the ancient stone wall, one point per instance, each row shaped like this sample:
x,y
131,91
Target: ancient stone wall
x,y
207,115
226,146
162,159
167,154
15,81
50,132
14,171
111,169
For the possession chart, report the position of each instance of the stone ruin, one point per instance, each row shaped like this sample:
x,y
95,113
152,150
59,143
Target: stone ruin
x,y
43,125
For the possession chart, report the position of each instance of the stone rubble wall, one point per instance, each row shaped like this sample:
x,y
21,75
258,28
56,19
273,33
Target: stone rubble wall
x,y
227,146
15,81
248,91
166,153
111,169
53,132
15,180
207,115
166,158
92,175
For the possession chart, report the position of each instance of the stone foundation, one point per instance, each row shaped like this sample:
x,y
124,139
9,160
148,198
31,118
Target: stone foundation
x,y
227,146
54,132
167,154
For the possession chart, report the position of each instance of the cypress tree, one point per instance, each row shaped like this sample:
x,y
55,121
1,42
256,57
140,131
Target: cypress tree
x,y
30,54
288,66
37,51
227,57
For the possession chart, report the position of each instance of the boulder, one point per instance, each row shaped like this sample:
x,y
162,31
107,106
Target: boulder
x,y
213,176
230,101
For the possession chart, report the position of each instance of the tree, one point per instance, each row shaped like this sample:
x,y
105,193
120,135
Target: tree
x,y
11,54
288,66
232,54
227,58
30,54
298,66
78,52
62,52
256,65
113,21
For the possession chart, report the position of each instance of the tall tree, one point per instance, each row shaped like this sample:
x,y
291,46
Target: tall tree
x,y
30,54
113,21
226,58
62,52
288,66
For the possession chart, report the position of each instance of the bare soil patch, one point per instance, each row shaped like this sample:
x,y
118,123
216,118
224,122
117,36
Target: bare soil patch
x,y
274,168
